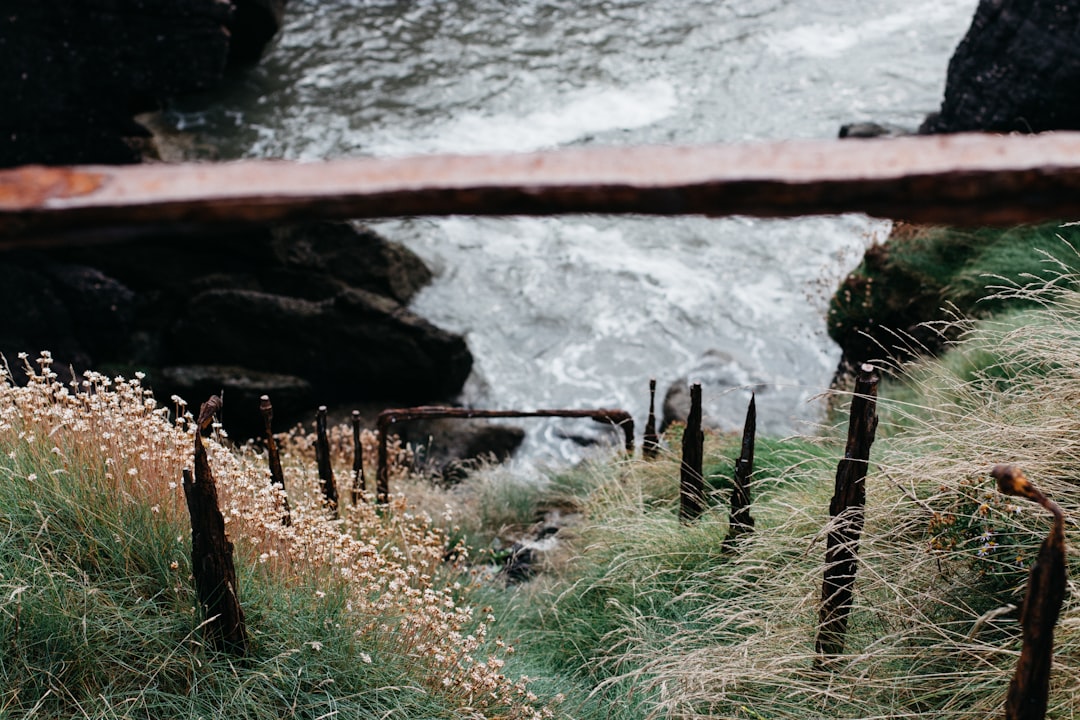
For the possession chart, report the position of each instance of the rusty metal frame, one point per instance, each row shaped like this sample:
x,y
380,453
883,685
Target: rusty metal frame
x,y
616,417
972,179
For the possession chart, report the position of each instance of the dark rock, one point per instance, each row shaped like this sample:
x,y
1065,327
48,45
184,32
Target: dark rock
x,y
74,73
102,309
524,559
240,390
355,345
880,309
279,301
252,27
1016,70
871,130
726,386
450,446
356,256
35,319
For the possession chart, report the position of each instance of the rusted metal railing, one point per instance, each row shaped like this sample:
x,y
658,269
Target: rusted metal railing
x,y
956,179
618,418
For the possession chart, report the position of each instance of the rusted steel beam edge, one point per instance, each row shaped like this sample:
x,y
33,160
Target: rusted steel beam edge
x,y
395,414
964,178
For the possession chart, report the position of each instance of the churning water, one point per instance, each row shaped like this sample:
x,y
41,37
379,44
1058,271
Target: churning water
x,y
582,311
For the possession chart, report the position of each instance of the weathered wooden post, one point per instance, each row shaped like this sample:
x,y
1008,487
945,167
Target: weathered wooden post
x,y
846,511
322,459
359,482
740,521
277,477
1029,689
691,477
382,473
650,444
211,551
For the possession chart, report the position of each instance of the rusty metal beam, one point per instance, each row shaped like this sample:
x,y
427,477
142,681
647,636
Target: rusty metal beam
x,y
956,179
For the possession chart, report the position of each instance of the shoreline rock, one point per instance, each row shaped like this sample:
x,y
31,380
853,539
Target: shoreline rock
x,y
1016,70
321,303
75,73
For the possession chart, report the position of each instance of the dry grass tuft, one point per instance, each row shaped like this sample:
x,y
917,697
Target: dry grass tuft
x,y
401,597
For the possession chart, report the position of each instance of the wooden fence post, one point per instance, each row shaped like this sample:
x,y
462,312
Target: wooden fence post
x,y
1029,689
847,513
322,459
691,479
740,521
359,482
277,477
650,443
211,551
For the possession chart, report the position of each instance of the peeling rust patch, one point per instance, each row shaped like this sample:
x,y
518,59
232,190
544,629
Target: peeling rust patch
x,y
35,185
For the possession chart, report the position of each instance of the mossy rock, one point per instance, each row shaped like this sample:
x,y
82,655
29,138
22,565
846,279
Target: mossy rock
x,y
897,302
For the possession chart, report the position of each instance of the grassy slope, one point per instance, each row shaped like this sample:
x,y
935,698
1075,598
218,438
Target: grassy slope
x,y
97,611
639,616
925,274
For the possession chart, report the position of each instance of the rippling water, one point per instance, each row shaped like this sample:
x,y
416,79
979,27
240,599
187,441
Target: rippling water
x,y
581,311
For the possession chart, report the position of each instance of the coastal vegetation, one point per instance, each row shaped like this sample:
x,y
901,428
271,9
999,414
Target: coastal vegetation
x,y
400,611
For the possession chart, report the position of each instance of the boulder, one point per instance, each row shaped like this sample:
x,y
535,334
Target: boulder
x,y
103,309
726,384
356,345
356,256
253,25
35,319
74,73
240,390
1016,70
449,446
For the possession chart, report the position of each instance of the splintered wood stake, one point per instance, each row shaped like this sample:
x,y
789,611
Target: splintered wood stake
x,y
691,479
1029,689
846,511
212,553
650,444
359,482
277,476
322,459
740,521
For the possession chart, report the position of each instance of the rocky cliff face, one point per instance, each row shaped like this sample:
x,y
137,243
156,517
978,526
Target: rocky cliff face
x,y
311,315
73,73
1016,70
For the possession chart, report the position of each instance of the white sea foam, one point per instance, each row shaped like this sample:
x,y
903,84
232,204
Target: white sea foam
x,y
833,39
565,117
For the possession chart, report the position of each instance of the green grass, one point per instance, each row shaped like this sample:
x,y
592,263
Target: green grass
x,y
932,274
636,615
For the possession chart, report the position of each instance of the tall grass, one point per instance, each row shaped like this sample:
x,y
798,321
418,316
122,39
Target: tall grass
x,y
360,617
638,616
655,611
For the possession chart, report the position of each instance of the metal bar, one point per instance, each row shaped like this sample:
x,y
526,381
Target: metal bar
x,y
616,417
957,179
